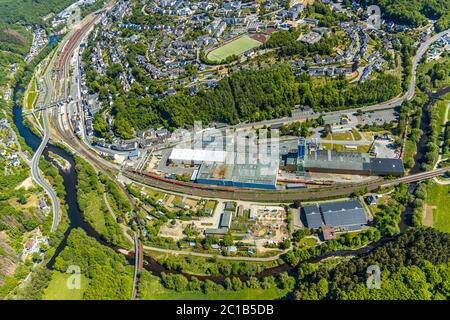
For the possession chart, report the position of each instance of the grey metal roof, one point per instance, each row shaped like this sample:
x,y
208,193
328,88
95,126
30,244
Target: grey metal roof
x,y
313,216
343,214
225,220
387,166
330,159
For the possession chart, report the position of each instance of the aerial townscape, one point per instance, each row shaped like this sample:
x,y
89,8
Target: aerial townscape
x,y
224,150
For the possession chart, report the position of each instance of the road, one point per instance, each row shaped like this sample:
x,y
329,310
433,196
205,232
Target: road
x,y
81,148
35,173
218,256
397,101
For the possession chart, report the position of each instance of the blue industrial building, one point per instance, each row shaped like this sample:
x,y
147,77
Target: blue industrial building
x,y
345,215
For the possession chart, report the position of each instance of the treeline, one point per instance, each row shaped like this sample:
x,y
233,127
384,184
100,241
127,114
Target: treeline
x,y
414,265
434,74
413,12
248,96
180,283
326,16
210,266
119,200
387,221
30,11
433,137
111,278
90,196
288,44
347,241
34,289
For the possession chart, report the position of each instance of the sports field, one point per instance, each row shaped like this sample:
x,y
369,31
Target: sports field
x,y
237,47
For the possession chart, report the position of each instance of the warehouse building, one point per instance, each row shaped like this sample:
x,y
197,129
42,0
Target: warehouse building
x,y
224,225
239,175
331,161
343,215
196,156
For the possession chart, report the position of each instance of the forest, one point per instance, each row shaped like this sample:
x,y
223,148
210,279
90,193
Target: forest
x,y
15,39
248,95
414,12
110,275
287,44
30,11
414,265
90,196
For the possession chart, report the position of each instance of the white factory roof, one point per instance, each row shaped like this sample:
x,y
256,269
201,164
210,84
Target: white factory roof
x,y
198,155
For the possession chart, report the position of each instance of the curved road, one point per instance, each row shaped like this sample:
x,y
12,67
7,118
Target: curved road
x,y
380,106
79,147
70,140
35,173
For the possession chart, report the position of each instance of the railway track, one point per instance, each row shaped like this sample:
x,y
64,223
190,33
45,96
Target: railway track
x,y
285,195
112,170
66,53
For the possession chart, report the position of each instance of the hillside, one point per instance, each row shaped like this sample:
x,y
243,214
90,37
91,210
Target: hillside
x,y
414,12
413,266
29,11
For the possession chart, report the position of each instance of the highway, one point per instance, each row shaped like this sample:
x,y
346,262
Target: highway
x,y
35,173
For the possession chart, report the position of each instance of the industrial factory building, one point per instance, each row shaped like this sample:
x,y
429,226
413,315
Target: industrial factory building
x,y
239,175
196,156
224,225
227,168
312,159
343,215
247,169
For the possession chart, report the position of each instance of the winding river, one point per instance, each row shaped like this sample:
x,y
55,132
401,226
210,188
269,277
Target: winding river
x,y
76,219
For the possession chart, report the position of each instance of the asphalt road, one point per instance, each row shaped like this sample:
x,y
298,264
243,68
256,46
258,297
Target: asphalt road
x,y
79,147
397,101
35,173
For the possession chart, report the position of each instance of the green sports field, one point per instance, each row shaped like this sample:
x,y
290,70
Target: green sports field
x,y
237,47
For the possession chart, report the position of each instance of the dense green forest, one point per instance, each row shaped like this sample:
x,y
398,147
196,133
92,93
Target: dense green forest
x,y
15,39
30,11
324,14
414,12
90,196
110,275
415,265
250,95
287,44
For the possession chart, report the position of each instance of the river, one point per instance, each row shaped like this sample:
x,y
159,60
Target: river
x,y
406,220
76,219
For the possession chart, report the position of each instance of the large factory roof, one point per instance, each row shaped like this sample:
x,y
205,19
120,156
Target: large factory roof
x,y
387,166
348,215
244,173
352,161
198,155
326,159
313,216
343,214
